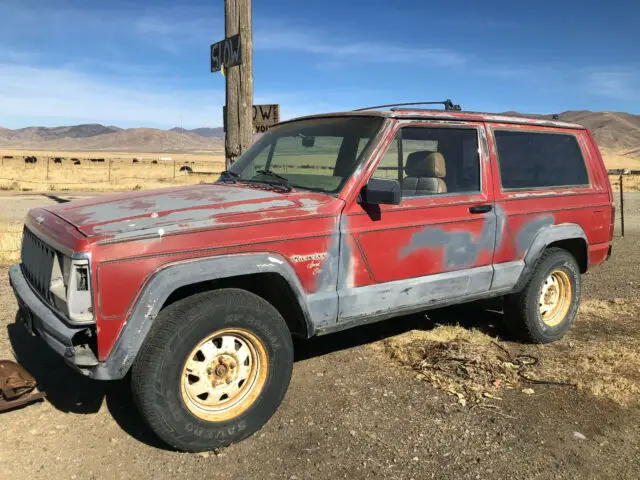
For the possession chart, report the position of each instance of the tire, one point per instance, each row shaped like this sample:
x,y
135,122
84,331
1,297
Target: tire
x,y
213,342
529,315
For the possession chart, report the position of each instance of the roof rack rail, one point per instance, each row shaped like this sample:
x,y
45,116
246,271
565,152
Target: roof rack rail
x,y
448,105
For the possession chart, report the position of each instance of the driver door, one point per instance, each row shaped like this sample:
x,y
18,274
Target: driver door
x,y
435,246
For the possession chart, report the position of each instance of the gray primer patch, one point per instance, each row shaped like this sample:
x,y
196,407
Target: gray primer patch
x,y
460,247
168,201
327,278
345,257
506,275
192,218
501,217
378,299
527,234
332,276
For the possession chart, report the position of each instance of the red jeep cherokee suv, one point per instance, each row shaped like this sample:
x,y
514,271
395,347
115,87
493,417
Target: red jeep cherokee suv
x,y
326,222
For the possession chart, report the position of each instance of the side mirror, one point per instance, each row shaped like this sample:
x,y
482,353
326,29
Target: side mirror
x,y
379,191
308,141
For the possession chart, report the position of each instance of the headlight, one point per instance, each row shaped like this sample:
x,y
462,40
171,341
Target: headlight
x,y
79,292
71,288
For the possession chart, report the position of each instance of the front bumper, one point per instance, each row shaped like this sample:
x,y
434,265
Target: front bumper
x,y
40,320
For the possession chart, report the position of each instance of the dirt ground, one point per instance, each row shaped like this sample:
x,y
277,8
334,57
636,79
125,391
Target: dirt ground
x,y
352,411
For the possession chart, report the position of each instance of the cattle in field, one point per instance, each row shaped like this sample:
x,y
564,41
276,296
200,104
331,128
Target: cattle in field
x,y
97,160
8,157
76,161
186,168
135,160
57,160
155,162
30,159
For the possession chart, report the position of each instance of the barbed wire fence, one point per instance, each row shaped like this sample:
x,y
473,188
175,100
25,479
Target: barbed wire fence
x,y
73,171
50,176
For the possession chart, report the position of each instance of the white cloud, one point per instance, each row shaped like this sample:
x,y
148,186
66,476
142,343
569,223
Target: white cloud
x,y
173,31
286,38
614,82
57,93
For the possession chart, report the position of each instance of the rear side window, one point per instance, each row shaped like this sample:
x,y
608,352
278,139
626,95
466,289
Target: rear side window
x,y
538,160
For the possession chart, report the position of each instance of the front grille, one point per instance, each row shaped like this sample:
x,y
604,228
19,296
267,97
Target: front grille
x,y
37,263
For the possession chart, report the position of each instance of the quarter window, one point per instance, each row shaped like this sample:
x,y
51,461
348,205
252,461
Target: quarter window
x,y
538,160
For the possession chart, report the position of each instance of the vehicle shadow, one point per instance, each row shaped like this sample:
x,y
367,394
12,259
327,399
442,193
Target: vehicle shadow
x,y
71,392
487,317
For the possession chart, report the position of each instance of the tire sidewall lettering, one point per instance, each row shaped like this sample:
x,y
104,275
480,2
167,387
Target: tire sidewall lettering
x,y
218,433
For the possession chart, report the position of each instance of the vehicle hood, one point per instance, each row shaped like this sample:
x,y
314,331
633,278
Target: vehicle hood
x,y
164,211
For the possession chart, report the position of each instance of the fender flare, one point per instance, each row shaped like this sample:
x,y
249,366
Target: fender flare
x,y
544,238
173,276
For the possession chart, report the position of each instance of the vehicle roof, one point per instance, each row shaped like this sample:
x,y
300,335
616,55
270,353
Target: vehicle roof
x,y
420,113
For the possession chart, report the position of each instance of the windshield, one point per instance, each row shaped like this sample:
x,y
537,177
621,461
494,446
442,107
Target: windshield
x,y
316,154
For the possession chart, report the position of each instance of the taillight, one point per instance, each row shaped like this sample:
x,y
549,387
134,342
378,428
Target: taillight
x,y
612,222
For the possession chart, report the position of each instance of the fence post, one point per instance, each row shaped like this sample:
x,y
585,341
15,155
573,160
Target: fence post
x,y
621,207
48,160
110,170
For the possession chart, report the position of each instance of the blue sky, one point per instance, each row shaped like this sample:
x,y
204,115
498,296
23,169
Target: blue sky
x,y
143,63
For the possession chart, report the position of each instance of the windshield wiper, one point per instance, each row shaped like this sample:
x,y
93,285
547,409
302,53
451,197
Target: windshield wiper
x,y
271,173
230,176
283,183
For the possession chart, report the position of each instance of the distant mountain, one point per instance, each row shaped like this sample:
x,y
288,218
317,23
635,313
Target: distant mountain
x,y
203,132
45,133
95,137
615,132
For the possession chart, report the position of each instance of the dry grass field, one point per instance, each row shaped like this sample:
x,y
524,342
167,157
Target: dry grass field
x,y
117,172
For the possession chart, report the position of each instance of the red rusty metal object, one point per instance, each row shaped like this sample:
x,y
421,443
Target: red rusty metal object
x,y
16,386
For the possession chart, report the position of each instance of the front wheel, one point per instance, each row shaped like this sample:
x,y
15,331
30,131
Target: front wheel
x,y
213,369
546,308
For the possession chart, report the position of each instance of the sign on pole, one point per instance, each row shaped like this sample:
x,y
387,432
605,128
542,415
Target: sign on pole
x,y
264,117
226,53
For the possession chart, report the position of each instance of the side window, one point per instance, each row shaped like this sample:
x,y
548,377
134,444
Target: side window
x,y
434,161
538,160
388,166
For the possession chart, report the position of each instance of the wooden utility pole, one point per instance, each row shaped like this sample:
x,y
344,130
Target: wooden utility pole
x,y
239,84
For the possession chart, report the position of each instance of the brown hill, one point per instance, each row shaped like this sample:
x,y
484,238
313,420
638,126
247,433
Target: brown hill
x,y
96,137
615,132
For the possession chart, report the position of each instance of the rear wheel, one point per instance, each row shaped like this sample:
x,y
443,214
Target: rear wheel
x,y
213,369
546,308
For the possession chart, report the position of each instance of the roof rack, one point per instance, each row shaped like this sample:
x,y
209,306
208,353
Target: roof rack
x,y
448,105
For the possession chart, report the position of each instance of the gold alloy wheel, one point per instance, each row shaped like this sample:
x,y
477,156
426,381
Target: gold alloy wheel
x,y
555,298
223,376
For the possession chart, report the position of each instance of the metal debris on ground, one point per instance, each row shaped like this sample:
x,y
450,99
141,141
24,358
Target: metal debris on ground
x,y
16,386
466,364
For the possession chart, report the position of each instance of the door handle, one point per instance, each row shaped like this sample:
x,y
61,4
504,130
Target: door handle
x,y
480,208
